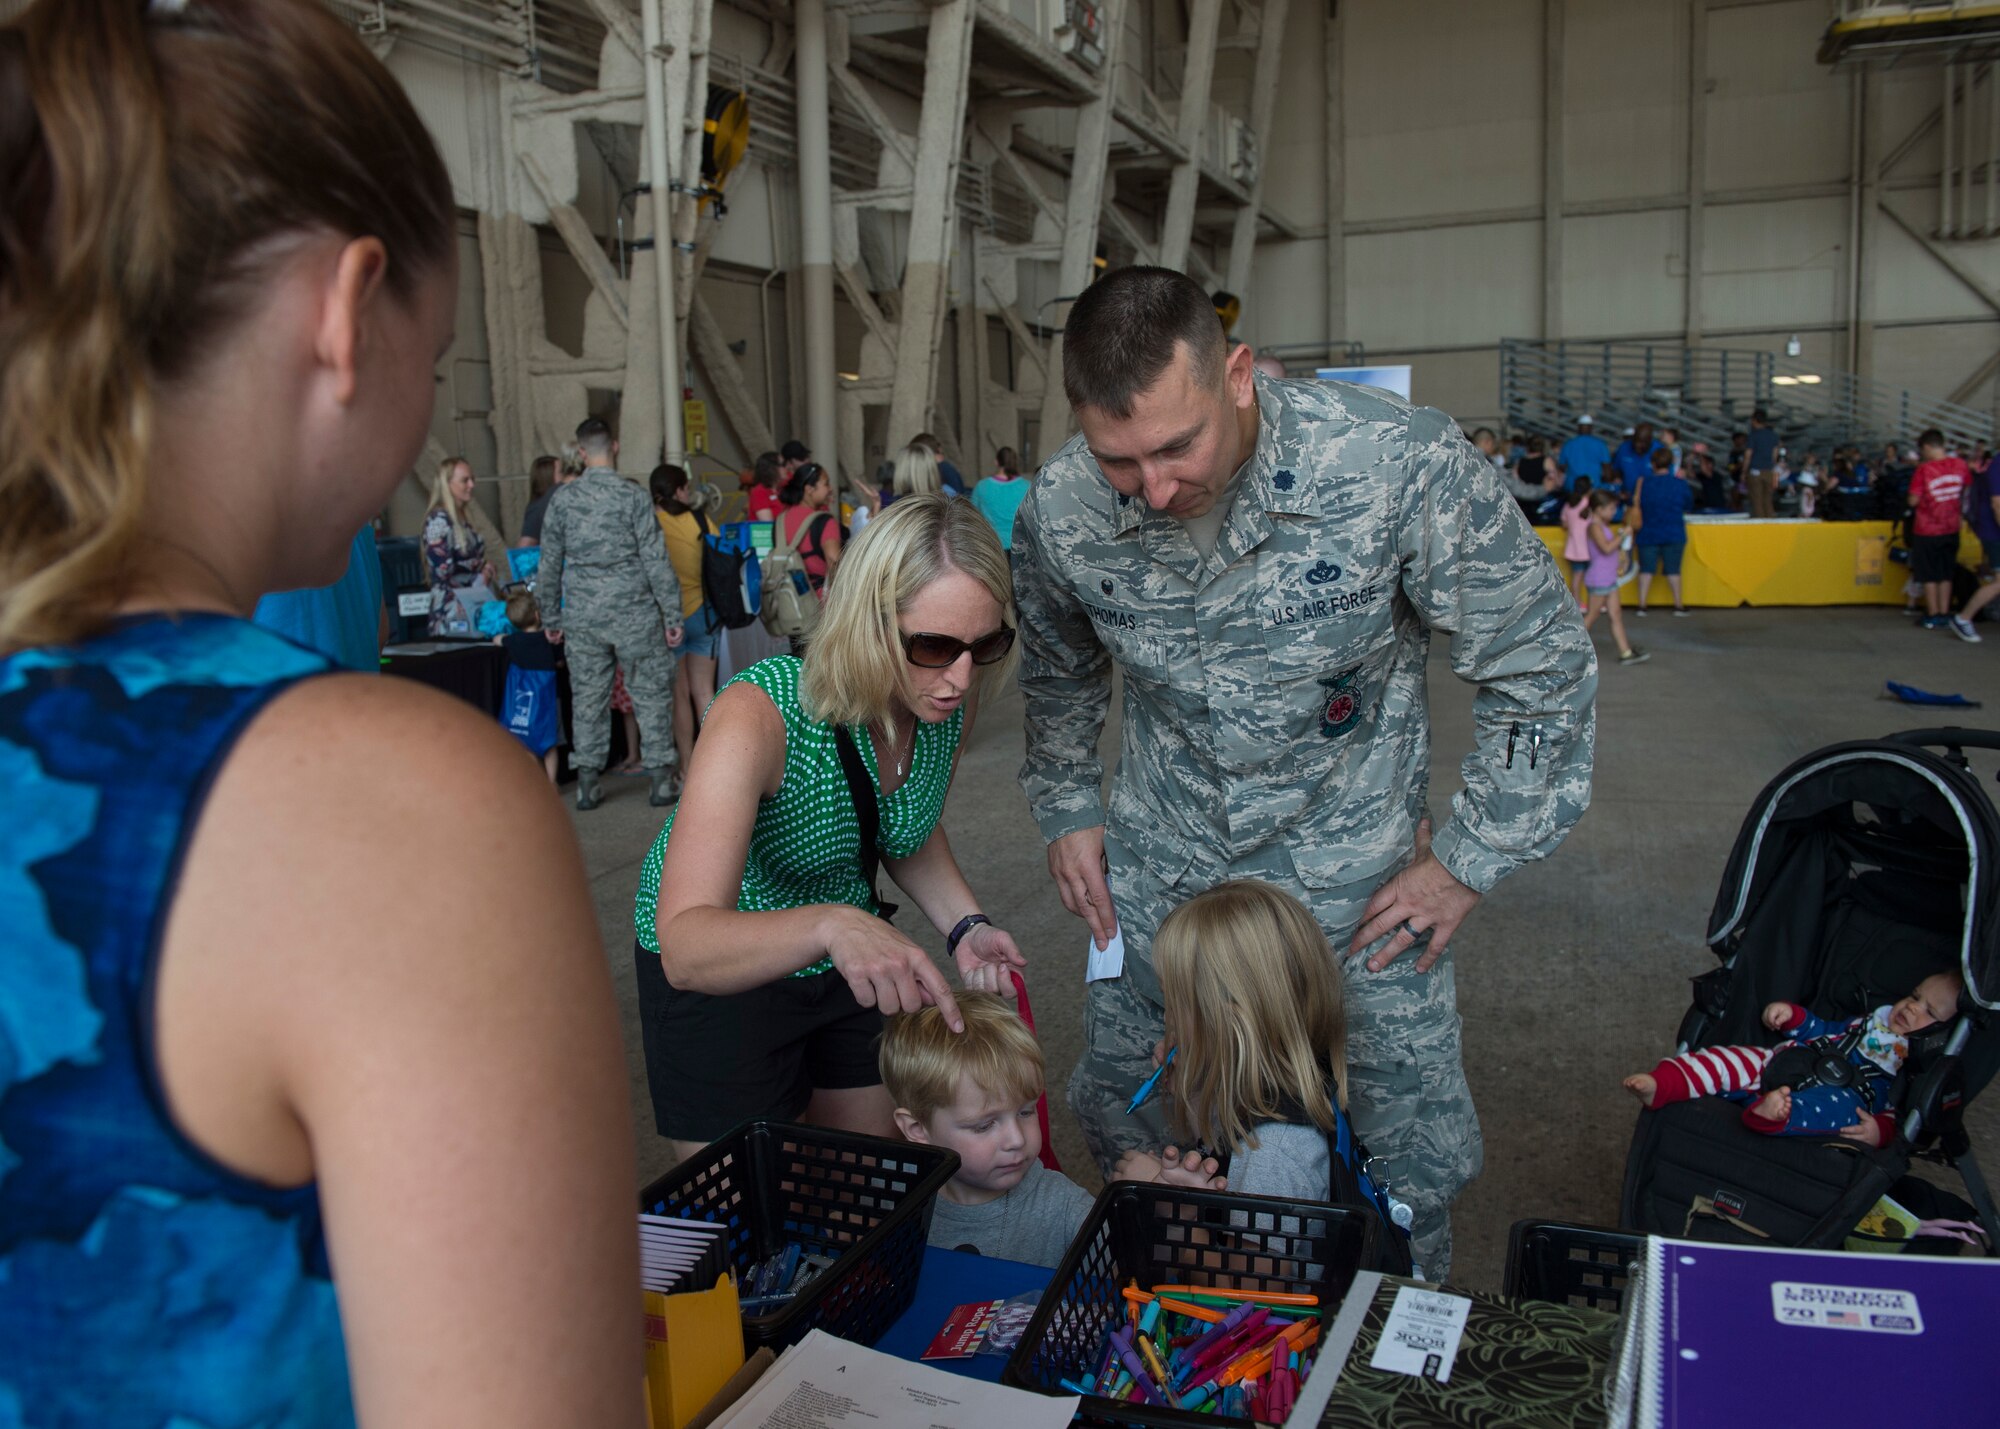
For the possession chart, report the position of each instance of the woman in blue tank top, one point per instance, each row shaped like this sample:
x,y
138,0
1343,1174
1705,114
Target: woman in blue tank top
x,y
285,1139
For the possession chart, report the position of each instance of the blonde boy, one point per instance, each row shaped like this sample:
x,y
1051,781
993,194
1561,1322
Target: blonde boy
x,y
974,1092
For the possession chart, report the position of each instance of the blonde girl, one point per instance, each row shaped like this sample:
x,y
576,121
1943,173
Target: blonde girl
x,y
1254,1013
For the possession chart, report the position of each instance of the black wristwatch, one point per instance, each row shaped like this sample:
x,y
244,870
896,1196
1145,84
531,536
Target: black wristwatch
x,y
961,928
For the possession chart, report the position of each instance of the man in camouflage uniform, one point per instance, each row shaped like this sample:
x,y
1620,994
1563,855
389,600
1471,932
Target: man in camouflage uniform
x,y
609,595
1265,561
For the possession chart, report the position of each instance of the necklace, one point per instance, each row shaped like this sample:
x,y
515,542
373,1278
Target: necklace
x,y
896,746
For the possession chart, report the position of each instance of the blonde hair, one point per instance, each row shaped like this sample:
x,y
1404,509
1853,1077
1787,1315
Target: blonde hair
x,y
443,500
572,459
855,670
917,472
1253,1004
923,1060
147,163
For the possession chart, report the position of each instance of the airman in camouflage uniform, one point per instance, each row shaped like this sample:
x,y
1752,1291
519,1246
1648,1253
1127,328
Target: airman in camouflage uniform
x,y
609,593
1276,726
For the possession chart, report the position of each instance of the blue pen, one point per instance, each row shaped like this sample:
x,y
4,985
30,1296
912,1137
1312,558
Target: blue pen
x,y
1146,1087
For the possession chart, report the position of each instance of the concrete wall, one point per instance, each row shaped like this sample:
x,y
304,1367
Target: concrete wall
x,y
1444,109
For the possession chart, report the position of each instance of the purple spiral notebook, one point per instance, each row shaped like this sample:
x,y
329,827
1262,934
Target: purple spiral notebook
x,y
1744,1335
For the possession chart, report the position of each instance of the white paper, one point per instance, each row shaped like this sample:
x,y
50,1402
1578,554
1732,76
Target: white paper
x,y
1422,1334
824,1383
1846,1307
1105,962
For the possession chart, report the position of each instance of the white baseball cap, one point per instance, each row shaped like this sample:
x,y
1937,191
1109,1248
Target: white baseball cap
x,y
1585,421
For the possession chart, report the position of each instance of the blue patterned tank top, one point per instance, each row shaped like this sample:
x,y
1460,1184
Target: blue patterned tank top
x,y
141,1282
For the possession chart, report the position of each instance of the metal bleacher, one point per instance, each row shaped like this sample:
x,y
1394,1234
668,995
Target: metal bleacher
x,y
1706,393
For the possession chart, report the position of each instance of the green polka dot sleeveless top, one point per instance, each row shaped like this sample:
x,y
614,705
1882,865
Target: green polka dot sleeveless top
x,y
806,844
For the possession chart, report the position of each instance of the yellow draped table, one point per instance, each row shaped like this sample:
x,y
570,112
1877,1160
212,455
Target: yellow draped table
x,y
1733,560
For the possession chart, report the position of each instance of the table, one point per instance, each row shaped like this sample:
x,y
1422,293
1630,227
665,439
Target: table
x,y
473,670
948,1279
1734,560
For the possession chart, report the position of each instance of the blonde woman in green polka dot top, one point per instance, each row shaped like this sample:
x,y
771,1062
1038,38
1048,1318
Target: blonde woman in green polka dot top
x,y
764,970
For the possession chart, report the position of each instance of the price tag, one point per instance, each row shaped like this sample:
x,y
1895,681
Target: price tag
x,y
1422,1335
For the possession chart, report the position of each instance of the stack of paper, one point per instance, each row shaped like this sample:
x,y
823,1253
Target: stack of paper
x,y
681,1255
822,1381
1726,1334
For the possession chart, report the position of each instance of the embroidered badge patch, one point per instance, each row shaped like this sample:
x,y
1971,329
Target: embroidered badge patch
x,y
1106,586
1341,710
1323,573
1283,480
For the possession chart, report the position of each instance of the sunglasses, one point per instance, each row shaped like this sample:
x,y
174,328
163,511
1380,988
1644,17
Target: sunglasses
x,y
935,652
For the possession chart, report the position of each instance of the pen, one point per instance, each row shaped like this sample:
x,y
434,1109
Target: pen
x,y
1146,1087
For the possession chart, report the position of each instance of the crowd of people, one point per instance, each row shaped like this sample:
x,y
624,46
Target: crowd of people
x,y
594,551
1625,508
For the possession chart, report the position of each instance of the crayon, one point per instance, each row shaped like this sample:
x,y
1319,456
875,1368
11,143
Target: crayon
x,y
1201,1294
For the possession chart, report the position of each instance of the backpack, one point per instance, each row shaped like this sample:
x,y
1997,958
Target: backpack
x,y
728,577
790,608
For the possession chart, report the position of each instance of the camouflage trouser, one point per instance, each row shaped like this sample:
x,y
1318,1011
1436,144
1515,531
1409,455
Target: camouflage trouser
x,y
1406,1085
649,679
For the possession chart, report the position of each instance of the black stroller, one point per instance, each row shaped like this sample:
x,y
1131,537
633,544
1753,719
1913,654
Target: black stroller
x,y
1862,869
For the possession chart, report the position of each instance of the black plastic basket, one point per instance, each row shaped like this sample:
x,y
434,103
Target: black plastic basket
x,y
1571,1265
1169,1235
862,1199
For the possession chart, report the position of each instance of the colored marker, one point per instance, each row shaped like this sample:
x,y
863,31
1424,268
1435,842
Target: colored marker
x,y
1146,1087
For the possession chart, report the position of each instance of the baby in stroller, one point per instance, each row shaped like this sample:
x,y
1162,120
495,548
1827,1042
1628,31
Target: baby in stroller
x,y
1826,1078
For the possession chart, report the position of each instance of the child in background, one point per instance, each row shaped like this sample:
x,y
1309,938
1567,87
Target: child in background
x,y
532,715
1254,1013
1937,493
1600,577
974,1092
999,497
1576,545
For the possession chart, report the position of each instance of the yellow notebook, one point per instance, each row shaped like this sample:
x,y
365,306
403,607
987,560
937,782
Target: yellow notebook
x,y
694,1343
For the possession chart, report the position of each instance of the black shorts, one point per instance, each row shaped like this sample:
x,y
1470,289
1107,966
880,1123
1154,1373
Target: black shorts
x,y
712,1062
1933,557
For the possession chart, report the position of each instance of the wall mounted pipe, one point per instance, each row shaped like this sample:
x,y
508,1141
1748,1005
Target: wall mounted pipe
x,y
661,177
816,232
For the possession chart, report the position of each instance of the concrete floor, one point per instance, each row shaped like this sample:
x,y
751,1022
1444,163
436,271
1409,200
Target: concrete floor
x,y
1573,972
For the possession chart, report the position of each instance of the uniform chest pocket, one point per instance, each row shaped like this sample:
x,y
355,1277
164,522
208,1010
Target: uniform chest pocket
x,y
1327,678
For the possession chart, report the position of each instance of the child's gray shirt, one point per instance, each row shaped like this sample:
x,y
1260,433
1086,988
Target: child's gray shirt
x,y
1033,1223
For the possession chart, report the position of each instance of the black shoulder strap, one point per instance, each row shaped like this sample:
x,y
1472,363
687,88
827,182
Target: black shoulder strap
x,y
701,521
867,814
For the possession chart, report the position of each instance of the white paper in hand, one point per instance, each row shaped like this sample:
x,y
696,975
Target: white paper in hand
x,y
1105,962
1422,1334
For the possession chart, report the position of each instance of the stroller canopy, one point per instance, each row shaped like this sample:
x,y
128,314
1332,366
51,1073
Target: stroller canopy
x,y
1894,813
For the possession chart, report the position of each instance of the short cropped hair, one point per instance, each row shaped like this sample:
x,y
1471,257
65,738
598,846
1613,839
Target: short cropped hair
x,y
767,470
922,1059
1663,458
855,671
1931,437
593,436
1124,331
523,611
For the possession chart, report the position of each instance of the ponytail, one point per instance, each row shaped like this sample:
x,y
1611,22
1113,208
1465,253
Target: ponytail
x,y
147,157
86,245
